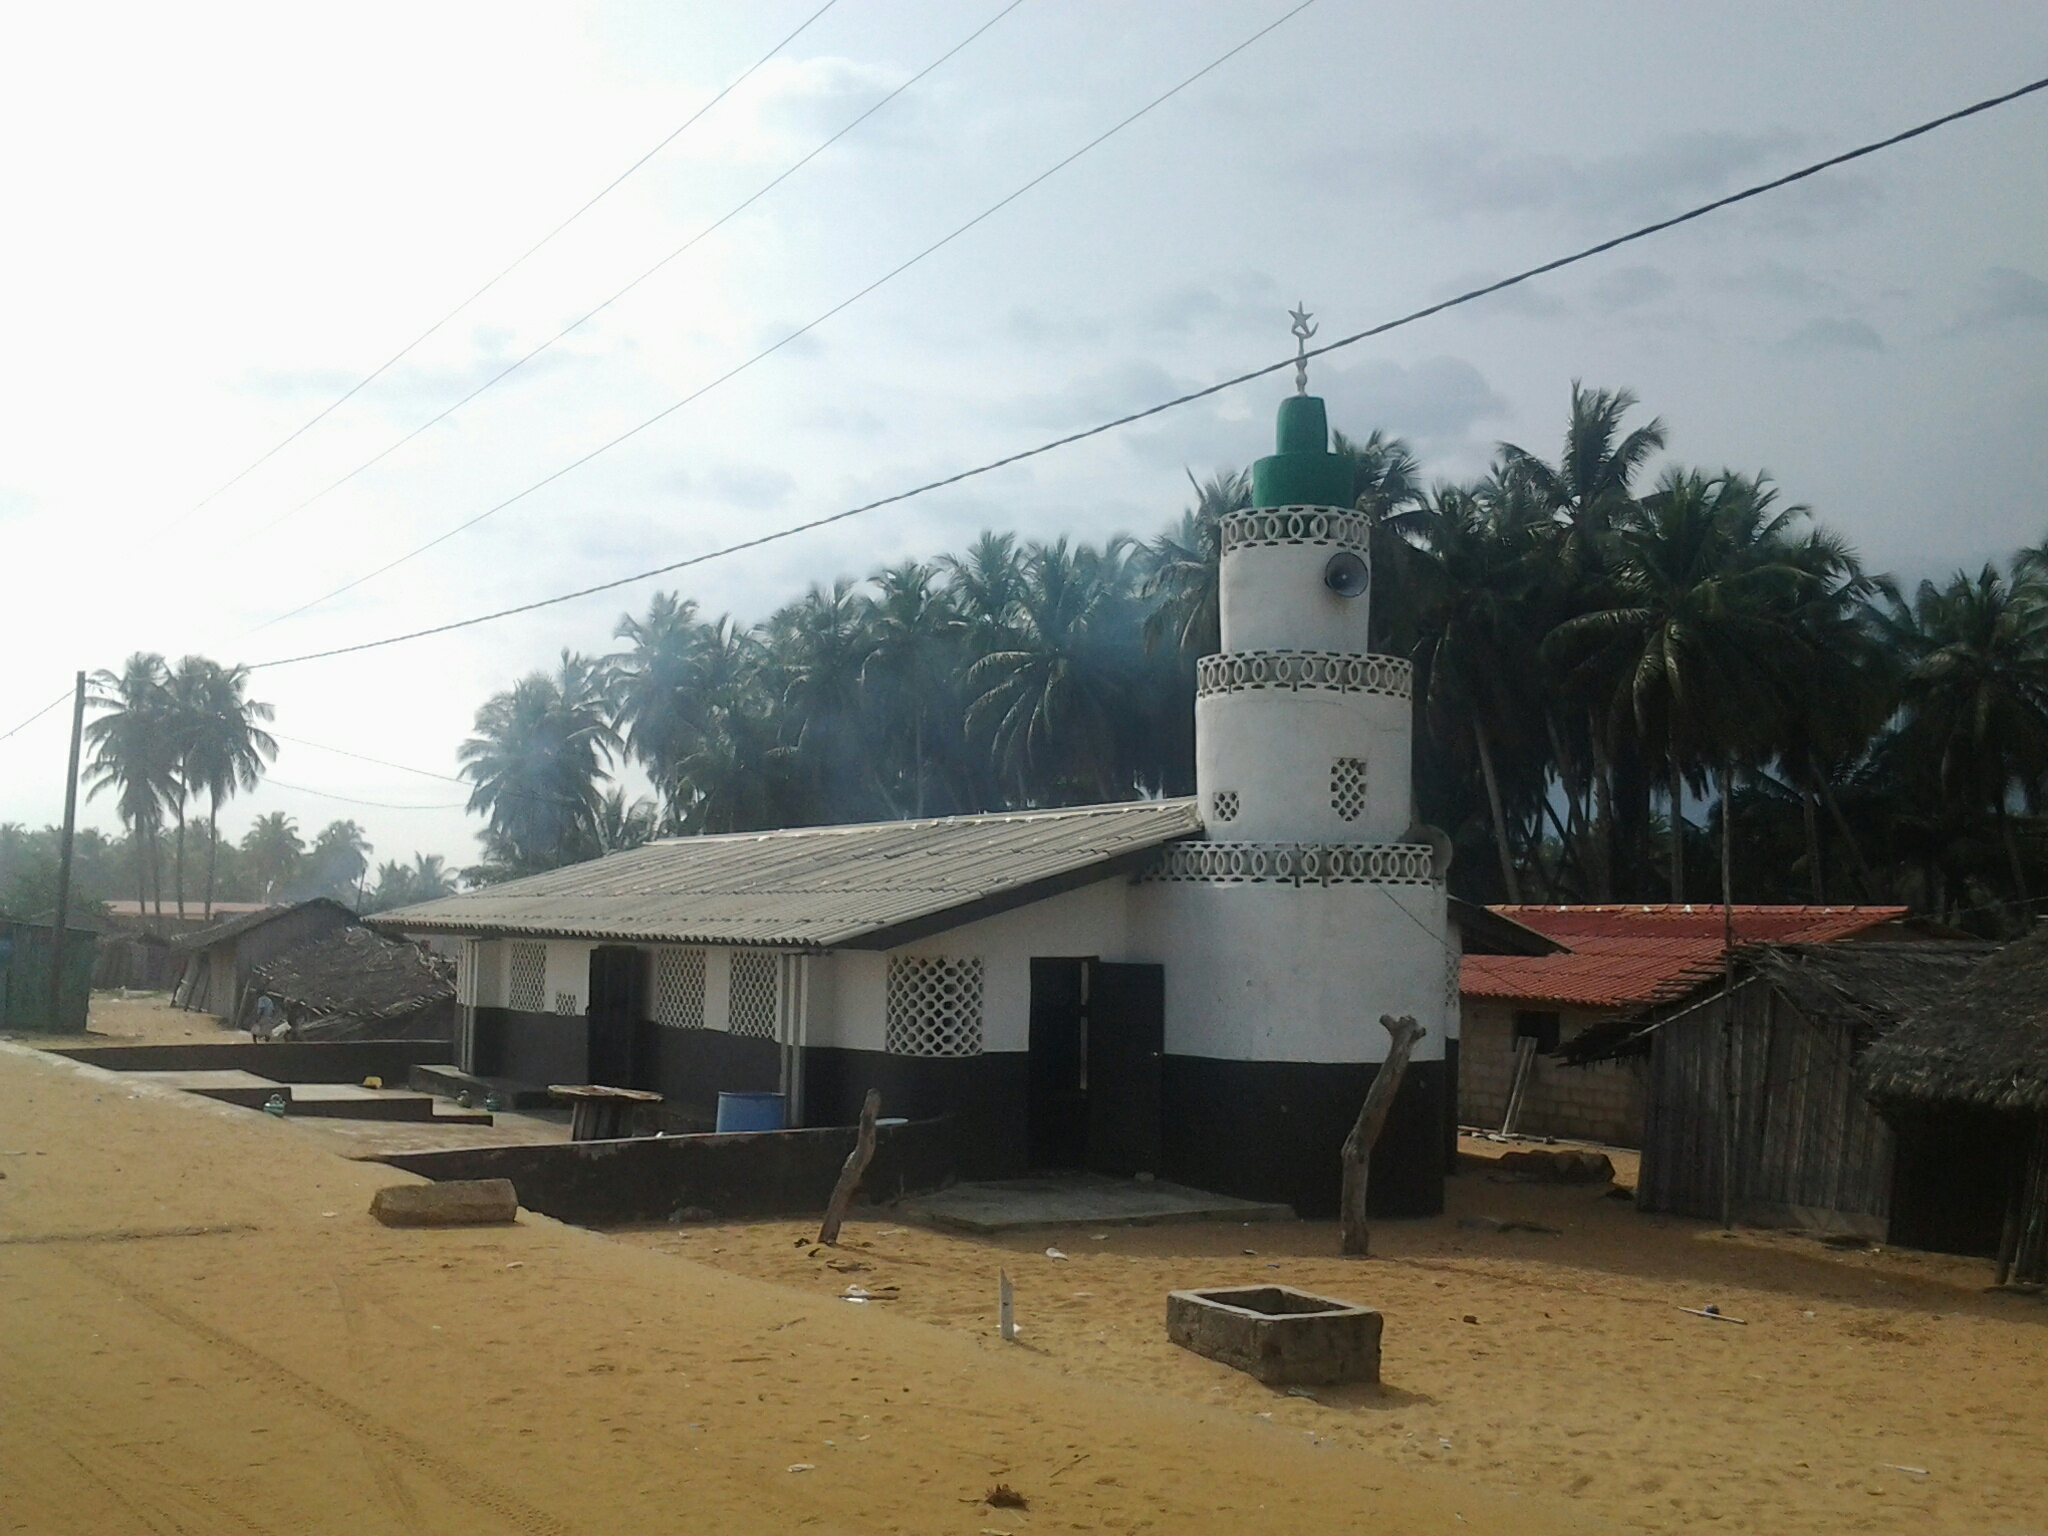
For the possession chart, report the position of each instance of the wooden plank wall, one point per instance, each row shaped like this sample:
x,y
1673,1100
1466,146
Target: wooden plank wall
x,y
1807,1145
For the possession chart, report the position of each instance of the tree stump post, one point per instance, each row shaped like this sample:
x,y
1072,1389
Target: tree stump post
x,y
1355,1240
856,1165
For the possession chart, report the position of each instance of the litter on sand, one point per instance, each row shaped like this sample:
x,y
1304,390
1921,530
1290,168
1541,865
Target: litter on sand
x,y
803,1466
1895,1467
1711,1310
1054,1253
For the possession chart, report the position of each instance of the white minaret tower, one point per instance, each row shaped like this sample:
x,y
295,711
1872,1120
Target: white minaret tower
x,y
1314,904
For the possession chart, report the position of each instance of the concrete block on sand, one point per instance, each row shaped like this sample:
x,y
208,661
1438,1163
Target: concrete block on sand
x,y
452,1203
1277,1334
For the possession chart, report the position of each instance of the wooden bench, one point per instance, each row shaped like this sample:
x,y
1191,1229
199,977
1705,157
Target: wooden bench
x,y
598,1112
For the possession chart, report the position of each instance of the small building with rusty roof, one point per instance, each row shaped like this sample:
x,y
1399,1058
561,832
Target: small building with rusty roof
x,y
1605,962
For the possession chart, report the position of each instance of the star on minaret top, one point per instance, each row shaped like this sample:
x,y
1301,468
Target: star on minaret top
x,y
1302,330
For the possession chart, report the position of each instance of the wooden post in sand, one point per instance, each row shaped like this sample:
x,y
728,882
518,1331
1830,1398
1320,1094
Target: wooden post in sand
x,y
856,1165
1372,1118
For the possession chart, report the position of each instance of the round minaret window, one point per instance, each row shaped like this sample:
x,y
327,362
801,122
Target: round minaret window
x,y
1346,574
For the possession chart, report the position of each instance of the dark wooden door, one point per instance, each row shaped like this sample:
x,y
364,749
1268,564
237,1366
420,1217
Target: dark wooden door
x,y
616,1003
1126,1047
1058,1065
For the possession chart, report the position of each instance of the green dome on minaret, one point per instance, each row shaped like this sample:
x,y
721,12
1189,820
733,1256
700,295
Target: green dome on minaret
x,y
1303,473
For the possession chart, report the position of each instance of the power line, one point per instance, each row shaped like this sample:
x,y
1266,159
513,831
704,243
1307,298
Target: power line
x,y
425,773
603,192
32,719
321,746
769,351
1643,232
382,805
590,314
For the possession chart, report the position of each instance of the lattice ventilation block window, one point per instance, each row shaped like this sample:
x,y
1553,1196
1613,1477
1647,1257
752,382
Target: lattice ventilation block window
x,y
527,968
934,1006
1223,805
565,1003
1347,788
679,988
754,994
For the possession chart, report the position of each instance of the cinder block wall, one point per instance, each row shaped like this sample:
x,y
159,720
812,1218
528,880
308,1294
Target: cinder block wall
x,y
1602,1103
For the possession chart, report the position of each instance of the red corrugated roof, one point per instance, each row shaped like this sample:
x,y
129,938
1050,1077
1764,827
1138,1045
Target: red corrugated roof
x,y
1625,956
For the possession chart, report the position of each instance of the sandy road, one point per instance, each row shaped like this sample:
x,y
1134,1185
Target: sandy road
x,y
190,1343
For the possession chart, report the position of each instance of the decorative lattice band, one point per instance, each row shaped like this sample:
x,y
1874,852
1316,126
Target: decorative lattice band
x,y
1296,864
679,988
756,997
933,1005
1295,525
1336,671
527,988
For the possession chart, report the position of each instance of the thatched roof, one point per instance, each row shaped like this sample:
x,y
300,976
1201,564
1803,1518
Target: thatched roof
x,y
1982,1043
356,972
1869,988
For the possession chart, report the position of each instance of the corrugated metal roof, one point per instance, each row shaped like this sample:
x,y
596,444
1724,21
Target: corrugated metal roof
x,y
1626,956
813,886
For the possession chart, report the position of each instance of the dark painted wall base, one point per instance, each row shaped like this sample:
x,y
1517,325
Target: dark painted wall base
x,y
1272,1130
1261,1130
771,1173
286,1061
532,1047
689,1068
985,1096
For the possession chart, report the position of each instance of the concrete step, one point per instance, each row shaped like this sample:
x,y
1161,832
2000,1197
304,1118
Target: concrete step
x,y
447,1082
229,1086
346,1101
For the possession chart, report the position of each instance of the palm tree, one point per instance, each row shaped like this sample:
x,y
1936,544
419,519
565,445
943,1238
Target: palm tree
x,y
817,650
274,850
1975,695
135,754
1476,658
537,760
340,858
621,826
1183,566
656,682
221,746
1696,652
431,878
987,586
908,668
1052,703
1590,487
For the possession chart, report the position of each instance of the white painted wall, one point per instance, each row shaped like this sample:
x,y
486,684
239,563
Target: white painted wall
x,y
1272,972
1276,747
1274,598
1093,920
569,971
490,973
718,988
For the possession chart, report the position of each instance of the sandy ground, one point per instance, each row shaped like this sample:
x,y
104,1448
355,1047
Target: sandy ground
x,y
147,1018
202,1332
143,1018
1559,1366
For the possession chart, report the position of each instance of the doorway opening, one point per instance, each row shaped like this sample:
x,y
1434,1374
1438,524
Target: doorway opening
x,y
618,998
1098,1042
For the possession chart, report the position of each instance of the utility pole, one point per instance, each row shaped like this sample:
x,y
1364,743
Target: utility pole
x,y
64,858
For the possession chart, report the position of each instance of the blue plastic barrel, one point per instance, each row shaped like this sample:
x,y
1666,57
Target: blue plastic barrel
x,y
751,1111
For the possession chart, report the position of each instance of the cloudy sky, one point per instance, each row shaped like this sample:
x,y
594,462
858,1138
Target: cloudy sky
x,y
217,219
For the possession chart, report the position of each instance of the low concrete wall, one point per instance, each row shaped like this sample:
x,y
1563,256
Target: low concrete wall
x,y
290,1061
647,1178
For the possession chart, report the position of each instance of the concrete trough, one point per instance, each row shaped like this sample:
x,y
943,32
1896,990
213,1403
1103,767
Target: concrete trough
x,y
1278,1335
